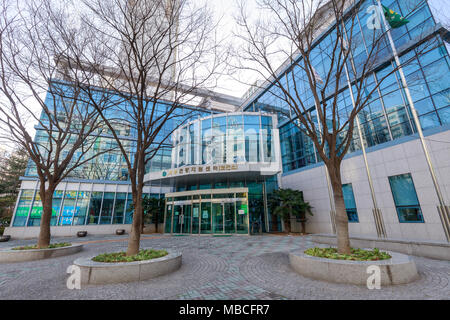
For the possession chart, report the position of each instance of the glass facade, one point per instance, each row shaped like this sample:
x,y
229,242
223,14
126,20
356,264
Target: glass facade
x,y
111,166
77,208
225,139
405,198
387,116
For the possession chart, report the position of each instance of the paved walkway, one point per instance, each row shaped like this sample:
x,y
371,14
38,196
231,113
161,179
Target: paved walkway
x,y
238,267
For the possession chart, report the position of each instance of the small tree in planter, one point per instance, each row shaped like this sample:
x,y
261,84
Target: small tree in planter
x,y
287,203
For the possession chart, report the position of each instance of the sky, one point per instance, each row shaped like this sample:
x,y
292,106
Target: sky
x,y
224,11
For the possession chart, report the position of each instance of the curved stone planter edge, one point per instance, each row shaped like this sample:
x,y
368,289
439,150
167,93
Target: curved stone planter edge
x,y
11,256
400,269
110,273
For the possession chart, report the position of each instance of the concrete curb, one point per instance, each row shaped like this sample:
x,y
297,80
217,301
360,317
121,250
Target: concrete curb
x,y
427,249
401,269
11,256
109,273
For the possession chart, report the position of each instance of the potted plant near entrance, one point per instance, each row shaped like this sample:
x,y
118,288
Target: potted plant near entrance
x,y
288,203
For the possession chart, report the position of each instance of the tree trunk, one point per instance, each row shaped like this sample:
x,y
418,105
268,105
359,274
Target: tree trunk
x,y
136,227
287,224
303,226
44,231
274,223
343,241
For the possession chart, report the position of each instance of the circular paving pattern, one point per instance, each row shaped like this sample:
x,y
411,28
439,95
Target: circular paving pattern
x,y
213,268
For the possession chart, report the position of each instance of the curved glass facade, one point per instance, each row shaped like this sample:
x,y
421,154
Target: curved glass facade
x,y
225,139
222,157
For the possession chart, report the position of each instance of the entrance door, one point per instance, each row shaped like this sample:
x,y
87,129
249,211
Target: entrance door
x,y
218,218
206,218
187,215
182,215
230,217
178,219
195,218
224,218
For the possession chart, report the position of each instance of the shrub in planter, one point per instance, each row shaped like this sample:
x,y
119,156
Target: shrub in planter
x,y
51,246
118,257
356,255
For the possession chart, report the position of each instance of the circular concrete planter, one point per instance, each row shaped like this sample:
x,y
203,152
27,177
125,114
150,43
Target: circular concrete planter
x,y
400,269
108,273
9,256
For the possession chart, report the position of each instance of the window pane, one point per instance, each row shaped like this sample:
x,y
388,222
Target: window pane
x,y
107,208
68,208
405,198
350,203
130,210
23,208
119,209
36,212
94,207
82,208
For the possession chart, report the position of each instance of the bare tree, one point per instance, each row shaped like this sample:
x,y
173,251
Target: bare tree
x,y
157,57
33,35
288,31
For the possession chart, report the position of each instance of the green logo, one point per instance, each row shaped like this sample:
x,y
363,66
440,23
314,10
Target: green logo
x,y
164,174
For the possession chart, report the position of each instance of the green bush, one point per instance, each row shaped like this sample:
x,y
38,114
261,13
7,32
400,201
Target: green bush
x,y
2,230
121,256
357,254
51,246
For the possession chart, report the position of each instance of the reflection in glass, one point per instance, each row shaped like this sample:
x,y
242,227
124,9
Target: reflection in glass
x,y
107,208
119,208
82,208
94,207
23,208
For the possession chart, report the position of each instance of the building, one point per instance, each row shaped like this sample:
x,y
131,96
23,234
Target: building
x,y
221,167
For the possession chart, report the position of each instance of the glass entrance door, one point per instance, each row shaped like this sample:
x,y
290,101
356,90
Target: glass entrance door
x,y
178,219
195,217
187,215
218,218
224,218
229,217
209,213
206,218
182,218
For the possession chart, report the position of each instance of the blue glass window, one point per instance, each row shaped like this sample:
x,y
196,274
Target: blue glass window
x,y
405,198
350,203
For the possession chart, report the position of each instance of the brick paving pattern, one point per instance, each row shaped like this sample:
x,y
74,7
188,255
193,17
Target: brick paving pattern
x,y
214,268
